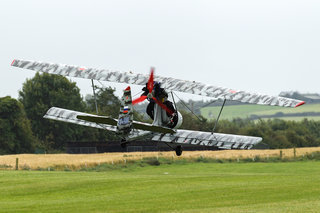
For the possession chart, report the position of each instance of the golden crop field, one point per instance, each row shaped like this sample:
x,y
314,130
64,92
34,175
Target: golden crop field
x,y
35,161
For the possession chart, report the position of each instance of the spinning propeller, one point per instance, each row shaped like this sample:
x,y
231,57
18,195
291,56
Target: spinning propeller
x,y
150,86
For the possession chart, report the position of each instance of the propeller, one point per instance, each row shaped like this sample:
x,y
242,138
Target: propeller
x,y
150,81
138,100
169,111
150,85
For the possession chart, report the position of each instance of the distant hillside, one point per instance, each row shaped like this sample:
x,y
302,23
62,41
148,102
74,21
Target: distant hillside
x,y
311,110
309,98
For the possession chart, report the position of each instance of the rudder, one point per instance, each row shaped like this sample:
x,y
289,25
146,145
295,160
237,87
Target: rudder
x,y
125,119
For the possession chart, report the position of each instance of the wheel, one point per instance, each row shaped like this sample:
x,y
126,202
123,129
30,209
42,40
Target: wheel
x,y
178,150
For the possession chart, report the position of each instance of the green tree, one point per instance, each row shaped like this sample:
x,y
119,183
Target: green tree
x,y
108,103
192,122
15,129
42,92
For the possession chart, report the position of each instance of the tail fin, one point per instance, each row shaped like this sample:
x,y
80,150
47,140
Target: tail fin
x,y
125,119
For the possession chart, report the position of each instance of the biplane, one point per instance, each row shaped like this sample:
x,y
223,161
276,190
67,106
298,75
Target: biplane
x,y
166,118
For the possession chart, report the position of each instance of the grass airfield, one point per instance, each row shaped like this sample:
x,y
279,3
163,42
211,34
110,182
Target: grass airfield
x,y
185,187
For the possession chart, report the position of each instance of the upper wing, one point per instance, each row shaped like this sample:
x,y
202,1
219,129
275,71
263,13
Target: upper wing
x,y
221,141
167,82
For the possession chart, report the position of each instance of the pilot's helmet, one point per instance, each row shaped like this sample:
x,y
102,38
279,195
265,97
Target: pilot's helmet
x,y
157,83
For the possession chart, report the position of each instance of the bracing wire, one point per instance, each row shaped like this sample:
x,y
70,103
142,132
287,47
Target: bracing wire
x,y
103,86
187,106
137,94
208,104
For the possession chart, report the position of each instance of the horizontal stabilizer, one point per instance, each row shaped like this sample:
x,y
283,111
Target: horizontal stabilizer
x,y
152,128
136,125
70,116
98,119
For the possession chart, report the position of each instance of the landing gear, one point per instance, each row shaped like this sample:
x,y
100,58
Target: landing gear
x,y
178,150
123,143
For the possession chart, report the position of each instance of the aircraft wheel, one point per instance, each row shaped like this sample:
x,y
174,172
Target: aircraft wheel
x,y
178,150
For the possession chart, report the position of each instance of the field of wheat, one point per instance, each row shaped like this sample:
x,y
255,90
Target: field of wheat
x,y
35,161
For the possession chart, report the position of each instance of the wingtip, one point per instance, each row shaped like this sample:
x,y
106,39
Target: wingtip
x,y
13,61
300,104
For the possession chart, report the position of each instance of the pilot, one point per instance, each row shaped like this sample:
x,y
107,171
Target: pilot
x,y
160,94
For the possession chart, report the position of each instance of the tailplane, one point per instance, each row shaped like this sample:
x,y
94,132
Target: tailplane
x,y
125,119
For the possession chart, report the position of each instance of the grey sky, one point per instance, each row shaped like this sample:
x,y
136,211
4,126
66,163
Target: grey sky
x,y
259,46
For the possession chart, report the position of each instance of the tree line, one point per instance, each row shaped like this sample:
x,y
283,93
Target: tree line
x,y
276,133
24,130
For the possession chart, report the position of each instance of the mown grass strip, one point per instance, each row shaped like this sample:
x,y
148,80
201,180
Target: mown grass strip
x,y
191,187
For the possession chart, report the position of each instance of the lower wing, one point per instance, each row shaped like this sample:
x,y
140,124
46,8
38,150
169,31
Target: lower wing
x,y
219,140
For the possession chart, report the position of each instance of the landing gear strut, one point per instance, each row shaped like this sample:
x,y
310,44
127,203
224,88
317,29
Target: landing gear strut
x,y
123,143
178,150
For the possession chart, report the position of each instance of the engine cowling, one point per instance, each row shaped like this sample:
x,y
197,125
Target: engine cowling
x,y
179,120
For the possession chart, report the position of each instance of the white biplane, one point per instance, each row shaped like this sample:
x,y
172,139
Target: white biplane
x,y
166,118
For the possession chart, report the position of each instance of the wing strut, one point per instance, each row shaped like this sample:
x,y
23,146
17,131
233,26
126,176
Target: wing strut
x,y
216,123
175,106
94,96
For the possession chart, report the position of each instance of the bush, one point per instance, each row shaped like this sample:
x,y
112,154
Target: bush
x,y
5,166
151,161
25,167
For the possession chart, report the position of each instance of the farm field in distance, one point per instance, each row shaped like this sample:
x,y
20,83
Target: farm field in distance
x,y
194,187
35,161
246,110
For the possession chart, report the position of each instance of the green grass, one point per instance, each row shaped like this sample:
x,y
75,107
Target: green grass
x,y
196,187
244,111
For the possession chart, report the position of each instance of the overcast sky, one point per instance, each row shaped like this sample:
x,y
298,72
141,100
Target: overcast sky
x,y
259,46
